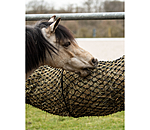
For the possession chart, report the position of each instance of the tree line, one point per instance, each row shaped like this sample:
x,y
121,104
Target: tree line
x,y
84,28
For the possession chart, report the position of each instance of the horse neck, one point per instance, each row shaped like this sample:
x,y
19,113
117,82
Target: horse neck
x,y
47,61
30,72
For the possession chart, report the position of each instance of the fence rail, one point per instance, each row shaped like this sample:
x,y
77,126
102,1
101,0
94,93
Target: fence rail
x,y
78,16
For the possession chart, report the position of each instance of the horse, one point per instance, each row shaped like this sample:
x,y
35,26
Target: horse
x,y
50,43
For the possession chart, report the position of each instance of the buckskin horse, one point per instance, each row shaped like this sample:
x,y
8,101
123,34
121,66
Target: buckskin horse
x,y
49,43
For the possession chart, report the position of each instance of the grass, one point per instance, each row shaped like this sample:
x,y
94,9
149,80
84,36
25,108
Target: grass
x,y
40,120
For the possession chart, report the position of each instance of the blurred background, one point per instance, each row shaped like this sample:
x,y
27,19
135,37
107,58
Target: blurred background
x,y
82,28
104,39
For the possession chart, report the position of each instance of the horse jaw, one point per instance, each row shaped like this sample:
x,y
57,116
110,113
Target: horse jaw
x,y
74,59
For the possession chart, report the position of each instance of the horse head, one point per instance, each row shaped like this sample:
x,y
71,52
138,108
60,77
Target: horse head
x,y
70,56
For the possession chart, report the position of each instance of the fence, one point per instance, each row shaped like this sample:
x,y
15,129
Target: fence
x,y
78,16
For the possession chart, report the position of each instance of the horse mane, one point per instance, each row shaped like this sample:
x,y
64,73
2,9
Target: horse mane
x,y
37,45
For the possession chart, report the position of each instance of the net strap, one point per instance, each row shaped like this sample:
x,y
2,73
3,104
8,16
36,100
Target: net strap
x,y
64,95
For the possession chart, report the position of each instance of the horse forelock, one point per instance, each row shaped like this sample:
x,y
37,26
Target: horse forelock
x,y
61,32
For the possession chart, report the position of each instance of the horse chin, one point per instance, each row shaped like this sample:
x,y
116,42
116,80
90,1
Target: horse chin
x,y
83,73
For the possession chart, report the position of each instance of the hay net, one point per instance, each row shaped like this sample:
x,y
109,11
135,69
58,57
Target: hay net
x,y
65,93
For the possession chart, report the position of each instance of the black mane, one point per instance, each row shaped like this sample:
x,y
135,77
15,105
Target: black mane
x,y
37,45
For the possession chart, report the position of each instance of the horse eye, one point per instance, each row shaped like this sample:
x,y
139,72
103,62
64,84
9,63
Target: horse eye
x,y
67,44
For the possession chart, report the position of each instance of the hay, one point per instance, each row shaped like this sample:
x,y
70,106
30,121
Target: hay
x,y
65,93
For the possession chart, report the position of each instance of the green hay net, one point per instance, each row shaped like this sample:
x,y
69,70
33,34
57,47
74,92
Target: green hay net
x,y
65,93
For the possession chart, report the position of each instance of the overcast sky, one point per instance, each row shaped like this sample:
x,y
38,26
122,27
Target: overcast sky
x,y
60,3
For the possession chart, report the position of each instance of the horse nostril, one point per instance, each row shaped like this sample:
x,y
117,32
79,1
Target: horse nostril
x,y
94,61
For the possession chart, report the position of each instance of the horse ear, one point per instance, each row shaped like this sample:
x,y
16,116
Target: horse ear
x,y
52,19
53,26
